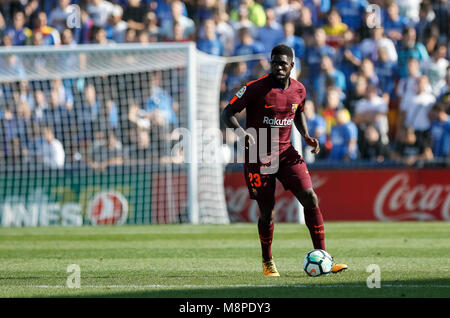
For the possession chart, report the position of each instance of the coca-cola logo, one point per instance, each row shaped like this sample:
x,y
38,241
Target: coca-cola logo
x,y
398,200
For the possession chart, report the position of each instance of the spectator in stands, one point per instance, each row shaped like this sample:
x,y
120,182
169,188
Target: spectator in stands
x,y
187,24
329,76
352,12
444,95
348,56
440,131
133,119
18,32
23,123
370,146
90,107
59,15
295,42
407,87
314,54
356,92
65,96
334,29
316,129
367,70
87,23
369,47
50,151
409,9
304,26
344,137
248,46
177,33
244,22
205,9
385,70
100,36
24,94
134,14
318,9
40,105
67,37
295,11
211,43
162,8
15,153
427,24
151,26
100,11
105,152
393,22
435,68
108,117
143,37
238,76
332,104
282,9
50,35
55,116
372,110
224,32
116,27
138,118
410,149
130,36
270,34
142,151
442,13
161,105
256,13
410,48
416,112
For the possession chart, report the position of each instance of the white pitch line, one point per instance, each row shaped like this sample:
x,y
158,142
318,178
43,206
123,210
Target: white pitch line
x,y
232,286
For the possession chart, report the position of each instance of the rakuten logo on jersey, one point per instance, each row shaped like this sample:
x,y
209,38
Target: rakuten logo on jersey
x,y
277,122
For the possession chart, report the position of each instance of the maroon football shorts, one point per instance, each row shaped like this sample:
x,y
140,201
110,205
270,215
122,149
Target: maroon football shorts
x,y
292,173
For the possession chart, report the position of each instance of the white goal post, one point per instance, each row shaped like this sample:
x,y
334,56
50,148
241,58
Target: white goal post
x,y
88,135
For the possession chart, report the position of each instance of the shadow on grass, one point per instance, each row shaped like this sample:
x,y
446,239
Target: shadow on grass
x,y
437,288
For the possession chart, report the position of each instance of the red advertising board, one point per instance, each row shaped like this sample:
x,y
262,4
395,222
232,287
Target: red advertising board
x,y
356,195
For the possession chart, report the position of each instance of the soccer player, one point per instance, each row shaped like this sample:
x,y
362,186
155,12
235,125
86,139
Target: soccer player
x,y
275,101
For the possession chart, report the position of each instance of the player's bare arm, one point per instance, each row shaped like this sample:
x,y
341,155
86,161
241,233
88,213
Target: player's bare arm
x,y
302,127
229,119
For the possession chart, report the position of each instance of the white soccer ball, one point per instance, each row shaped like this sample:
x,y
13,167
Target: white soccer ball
x,y
317,262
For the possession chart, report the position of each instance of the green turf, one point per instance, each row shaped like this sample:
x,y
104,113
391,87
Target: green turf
x,y
222,261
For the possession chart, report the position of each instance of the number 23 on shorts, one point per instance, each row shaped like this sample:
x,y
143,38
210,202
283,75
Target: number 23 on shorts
x,y
254,179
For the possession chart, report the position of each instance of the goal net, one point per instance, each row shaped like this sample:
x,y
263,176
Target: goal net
x,y
120,134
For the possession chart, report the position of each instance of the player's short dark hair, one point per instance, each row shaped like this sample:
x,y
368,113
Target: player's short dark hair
x,y
282,49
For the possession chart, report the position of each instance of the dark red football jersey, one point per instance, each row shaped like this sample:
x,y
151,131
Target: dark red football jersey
x,y
269,106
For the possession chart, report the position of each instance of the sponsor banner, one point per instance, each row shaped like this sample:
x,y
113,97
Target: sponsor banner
x,y
75,198
356,195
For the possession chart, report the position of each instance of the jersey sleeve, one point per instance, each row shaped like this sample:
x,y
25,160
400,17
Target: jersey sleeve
x,y
240,100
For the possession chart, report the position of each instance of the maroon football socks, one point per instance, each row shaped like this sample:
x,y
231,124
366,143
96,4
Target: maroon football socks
x,y
265,236
314,222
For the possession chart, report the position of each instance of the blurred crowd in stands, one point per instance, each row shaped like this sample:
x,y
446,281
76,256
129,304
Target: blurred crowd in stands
x,y
376,72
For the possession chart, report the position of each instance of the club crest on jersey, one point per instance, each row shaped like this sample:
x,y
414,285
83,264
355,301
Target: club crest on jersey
x,y
294,107
241,91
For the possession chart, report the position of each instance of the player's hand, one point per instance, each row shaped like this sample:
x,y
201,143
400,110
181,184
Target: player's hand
x,y
244,135
313,142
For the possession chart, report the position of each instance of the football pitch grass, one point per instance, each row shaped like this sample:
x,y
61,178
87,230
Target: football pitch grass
x,y
223,261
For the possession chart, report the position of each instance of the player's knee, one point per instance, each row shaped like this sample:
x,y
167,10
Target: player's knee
x,y
309,199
